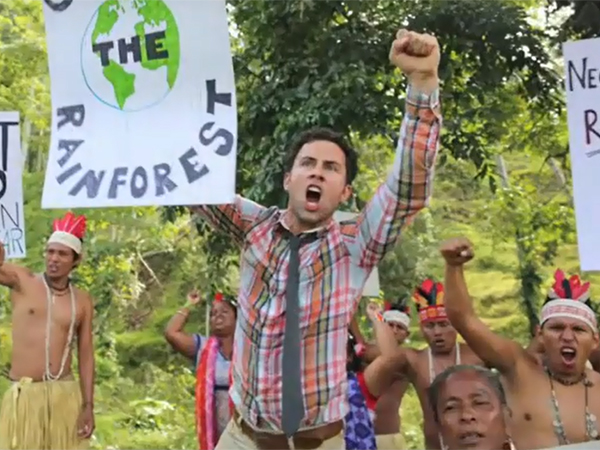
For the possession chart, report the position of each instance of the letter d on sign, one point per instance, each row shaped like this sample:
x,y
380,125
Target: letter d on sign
x,y
58,5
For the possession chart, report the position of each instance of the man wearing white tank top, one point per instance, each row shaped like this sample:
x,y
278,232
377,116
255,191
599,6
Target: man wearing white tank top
x,y
442,351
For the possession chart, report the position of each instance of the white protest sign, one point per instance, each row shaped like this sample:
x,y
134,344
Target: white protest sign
x,y
582,83
12,218
143,103
591,445
372,285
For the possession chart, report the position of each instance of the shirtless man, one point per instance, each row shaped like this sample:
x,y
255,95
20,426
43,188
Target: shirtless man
x,y
553,403
387,411
442,351
46,408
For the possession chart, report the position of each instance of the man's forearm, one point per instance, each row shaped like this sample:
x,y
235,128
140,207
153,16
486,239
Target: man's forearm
x,y
426,85
86,380
9,275
458,303
407,188
384,338
232,219
418,143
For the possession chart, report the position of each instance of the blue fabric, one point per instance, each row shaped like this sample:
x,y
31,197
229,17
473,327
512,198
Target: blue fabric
x,y
359,431
222,367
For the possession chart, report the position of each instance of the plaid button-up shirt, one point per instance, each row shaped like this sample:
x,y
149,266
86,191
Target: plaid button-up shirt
x,y
334,268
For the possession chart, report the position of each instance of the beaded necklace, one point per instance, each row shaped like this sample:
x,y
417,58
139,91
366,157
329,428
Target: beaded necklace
x,y
48,376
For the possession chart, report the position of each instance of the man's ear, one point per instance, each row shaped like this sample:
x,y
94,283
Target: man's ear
x,y
78,259
286,181
346,193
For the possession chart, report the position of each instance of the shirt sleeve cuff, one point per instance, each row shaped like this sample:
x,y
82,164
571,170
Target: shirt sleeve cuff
x,y
421,100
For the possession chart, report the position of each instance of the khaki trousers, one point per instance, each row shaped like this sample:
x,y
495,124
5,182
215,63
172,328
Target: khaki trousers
x,y
234,438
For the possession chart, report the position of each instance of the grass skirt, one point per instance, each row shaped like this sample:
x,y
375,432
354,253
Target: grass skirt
x,y
41,415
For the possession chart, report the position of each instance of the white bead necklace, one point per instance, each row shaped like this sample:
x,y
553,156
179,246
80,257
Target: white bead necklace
x,y
50,302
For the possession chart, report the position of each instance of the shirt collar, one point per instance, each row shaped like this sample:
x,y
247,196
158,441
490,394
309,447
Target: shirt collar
x,y
319,231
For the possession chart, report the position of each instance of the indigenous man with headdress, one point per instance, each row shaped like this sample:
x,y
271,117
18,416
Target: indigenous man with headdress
x,y
387,417
46,408
536,348
555,402
442,351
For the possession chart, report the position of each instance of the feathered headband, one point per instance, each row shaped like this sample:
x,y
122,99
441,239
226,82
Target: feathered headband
x,y
429,300
398,312
568,297
69,231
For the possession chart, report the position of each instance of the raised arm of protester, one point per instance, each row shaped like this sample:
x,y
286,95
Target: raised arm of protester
x,y
314,197
380,373
407,188
11,275
495,350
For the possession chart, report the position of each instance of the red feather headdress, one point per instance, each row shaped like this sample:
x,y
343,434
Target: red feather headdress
x,y
569,298
429,300
69,231
569,288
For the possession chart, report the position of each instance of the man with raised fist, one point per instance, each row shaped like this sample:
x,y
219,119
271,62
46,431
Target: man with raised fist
x,y
303,273
555,399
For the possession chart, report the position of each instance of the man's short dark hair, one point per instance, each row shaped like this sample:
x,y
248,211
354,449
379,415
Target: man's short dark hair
x,y
323,134
492,378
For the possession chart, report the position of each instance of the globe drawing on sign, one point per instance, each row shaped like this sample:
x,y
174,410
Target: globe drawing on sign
x,y
130,53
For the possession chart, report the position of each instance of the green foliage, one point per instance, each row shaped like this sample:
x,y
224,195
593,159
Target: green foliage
x,y
305,63
583,21
540,230
24,80
138,270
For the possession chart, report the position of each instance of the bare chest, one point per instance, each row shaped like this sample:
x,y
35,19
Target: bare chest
x,y
36,307
564,414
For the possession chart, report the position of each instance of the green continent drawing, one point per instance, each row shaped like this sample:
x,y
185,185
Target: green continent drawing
x,y
153,15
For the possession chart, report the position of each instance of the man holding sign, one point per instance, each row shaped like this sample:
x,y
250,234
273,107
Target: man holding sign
x,y
46,408
303,273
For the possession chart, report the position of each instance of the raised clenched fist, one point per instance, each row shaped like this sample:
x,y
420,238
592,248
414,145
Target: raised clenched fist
x,y
373,311
457,251
193,298
416,55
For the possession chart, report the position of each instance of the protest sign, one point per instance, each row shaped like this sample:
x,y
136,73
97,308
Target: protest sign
x,y
582,84
372,285
143,103
591,445
12,218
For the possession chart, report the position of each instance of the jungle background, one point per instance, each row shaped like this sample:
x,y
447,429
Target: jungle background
x,y
502,180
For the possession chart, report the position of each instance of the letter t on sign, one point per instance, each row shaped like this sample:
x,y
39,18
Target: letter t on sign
x,y
4,148
213,97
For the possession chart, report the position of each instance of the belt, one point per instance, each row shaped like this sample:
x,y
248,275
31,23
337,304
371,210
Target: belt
x,y
303,440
